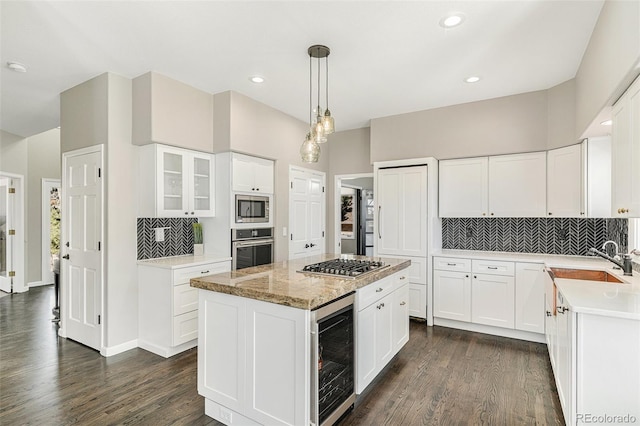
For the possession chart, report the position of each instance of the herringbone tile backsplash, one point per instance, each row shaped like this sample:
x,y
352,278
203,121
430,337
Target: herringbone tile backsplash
x,y
178,239
568,236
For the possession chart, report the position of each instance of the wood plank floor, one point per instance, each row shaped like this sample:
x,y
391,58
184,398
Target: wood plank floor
x,y
443,376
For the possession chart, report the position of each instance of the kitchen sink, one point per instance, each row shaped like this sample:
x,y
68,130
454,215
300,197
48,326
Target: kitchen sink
x,y
586,274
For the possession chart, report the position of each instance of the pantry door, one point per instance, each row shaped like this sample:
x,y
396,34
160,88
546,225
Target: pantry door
x,y
81,262
307,209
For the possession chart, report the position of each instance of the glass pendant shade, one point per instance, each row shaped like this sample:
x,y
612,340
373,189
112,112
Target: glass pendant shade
x,y
318,131
327,123
310,150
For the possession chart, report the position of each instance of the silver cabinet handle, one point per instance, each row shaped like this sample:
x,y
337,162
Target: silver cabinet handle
x,y
379,289
492,267
379,217
204,272
451,264
380,306
402,303
402,278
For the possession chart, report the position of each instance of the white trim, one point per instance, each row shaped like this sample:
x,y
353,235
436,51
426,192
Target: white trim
x,y
19,281
495,331
37,284
118,349
164,351
336,205
46,275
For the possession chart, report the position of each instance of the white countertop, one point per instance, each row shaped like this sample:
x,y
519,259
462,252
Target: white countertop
x,y
591,297
176,262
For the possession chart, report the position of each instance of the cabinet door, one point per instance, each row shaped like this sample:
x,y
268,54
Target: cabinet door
x,y
366,347
452,295
626,154
201,203
418,300
492,300
530,302
384,331
402,211
173,183
517,185
242,173
564,364
263,176
565,182
464,187
185,328
400,320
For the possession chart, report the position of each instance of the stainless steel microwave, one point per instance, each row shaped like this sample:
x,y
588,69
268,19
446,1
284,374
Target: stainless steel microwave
x,y
252,208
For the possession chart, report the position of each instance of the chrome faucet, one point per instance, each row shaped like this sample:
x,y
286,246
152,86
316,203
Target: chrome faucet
x,y
625,265
615,245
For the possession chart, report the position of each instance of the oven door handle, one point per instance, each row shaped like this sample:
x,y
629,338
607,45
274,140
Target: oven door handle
x,y
252,243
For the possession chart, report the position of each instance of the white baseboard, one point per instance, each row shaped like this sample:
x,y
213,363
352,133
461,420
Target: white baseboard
x,y
37,284
118,349
487,329
164,351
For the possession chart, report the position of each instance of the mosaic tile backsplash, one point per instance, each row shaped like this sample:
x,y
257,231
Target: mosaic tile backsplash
x,y
178,239
568,236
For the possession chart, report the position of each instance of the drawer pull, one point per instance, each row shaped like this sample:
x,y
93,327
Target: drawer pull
x,y
492,267
205,272
402,303
380,306
379,289
451,264
402,278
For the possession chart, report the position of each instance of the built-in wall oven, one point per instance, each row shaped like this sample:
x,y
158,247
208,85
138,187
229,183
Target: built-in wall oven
x,y
332,361
251,247
252,208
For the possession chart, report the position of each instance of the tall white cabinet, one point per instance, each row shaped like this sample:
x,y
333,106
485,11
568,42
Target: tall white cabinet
x,y
251,174
401,225
626,154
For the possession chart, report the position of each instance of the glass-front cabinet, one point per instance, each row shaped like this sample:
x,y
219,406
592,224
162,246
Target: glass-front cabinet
x,y
183,182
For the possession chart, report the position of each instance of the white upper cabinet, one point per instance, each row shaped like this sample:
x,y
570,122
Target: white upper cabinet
x,y
170,112
565,182
176,182
401,212
252,174
626,154
464,187
517,185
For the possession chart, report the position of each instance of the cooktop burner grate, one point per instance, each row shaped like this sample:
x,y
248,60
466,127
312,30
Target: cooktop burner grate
x,y
345,268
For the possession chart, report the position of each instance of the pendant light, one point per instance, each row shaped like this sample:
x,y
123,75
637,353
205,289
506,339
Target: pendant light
x,y
321,123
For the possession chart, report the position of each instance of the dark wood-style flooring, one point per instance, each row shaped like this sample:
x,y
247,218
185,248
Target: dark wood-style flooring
x,y
441,377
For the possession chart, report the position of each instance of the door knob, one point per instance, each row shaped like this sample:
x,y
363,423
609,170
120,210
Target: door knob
x,y
66,256
306,246
312,245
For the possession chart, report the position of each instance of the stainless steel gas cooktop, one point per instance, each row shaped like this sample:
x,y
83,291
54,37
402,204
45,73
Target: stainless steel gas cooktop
x,y
344,268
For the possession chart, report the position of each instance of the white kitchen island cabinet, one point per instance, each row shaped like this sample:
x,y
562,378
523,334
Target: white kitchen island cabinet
x,y
259,345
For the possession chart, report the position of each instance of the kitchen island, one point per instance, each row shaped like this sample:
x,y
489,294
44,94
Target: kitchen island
x,y
256,363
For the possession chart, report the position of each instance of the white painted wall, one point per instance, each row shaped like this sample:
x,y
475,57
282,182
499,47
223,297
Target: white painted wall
x,y
43,161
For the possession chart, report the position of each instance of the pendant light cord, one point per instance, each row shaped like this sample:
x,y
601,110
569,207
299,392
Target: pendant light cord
x,y
318,58
310,91
326,61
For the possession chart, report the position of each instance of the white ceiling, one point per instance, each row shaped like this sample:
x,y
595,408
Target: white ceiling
x,y
387,57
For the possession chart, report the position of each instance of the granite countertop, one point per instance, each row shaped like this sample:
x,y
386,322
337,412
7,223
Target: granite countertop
x,y
582,296
176,262
280,283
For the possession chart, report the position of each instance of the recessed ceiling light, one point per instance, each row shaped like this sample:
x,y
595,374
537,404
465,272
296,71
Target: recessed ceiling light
x,y
17,67
607,123
472,79
257,79
452,20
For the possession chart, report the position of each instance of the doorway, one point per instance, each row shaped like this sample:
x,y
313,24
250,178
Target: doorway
x,y
354,214
50,227
306,212
12,272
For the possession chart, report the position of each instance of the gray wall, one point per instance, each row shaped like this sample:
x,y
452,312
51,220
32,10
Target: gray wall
x,y
43,163
98,111
504,125
561,115
13,153
607,65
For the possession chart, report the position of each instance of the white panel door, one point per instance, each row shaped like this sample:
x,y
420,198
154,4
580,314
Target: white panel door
x,y
81,263
401,200
565,182
6,238
492,300
518,185
366,347
452,295
400,320
464,187
306,213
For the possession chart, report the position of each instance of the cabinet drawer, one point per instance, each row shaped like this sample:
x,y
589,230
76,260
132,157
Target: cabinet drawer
x,y
417,272
493,267
183,275
452,264
185,328
375,291
185,299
